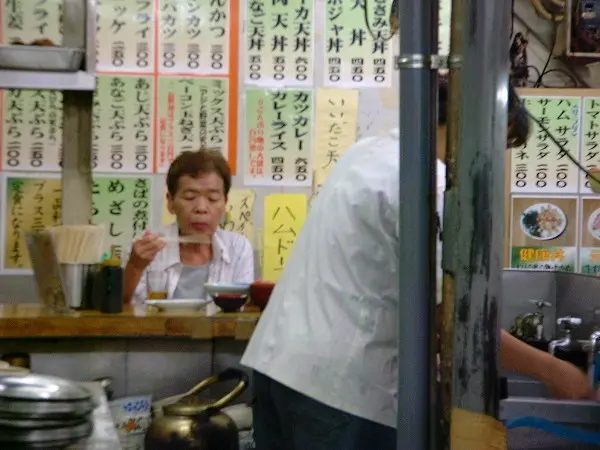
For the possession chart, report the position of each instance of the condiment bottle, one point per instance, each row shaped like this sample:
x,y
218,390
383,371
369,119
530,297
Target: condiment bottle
x,y
112,284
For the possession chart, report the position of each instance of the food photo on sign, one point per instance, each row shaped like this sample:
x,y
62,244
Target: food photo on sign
x,y
544,233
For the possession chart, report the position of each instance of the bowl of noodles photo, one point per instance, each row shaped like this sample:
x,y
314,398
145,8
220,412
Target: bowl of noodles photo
x,y
543,221
594,224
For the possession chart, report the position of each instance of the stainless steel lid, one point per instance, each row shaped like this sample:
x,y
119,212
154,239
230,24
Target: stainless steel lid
x,y
41,388
49,438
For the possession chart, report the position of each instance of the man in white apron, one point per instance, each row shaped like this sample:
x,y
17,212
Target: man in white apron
x,y
324,353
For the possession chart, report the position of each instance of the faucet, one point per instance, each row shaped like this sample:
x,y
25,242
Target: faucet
x,y
567,343
530,327
595,359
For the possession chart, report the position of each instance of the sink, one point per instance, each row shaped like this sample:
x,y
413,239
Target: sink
x,y
527,397
559,411
526,388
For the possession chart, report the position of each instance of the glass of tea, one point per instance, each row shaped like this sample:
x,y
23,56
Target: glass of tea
x,y
157,282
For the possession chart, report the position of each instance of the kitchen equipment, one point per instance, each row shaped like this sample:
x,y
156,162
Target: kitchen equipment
x,y
47,273
191,423
530,327
44,438
106,384
568,348
78,282
78,249
594,370
230,303
43,397
176,305
260,293
31,57
38,411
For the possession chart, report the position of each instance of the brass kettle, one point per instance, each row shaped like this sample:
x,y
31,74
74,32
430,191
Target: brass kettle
x,y
193,424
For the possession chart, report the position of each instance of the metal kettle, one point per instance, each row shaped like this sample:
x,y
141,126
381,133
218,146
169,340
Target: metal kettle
x,y
194,424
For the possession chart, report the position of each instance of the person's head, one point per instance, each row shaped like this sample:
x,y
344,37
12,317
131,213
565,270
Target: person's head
x,y
197,187
519,125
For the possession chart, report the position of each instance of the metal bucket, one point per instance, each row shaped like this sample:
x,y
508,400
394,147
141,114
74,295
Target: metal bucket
x,y
77,284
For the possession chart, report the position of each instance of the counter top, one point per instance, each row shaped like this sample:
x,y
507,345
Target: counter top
x,y
30,321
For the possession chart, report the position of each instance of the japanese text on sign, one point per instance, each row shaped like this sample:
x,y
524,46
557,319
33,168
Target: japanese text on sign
x,y
284,217
590,261
336,119
279,42
192,115
194,37
590,150
126,33
27,20
240,203
353,57
279,136
540,166
122,204
550,258
123,135
31,130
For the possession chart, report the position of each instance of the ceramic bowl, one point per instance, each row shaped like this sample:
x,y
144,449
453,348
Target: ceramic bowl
x,y
230,303
260,292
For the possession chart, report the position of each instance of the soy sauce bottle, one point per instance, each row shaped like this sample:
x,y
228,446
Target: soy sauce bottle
x,y
111,281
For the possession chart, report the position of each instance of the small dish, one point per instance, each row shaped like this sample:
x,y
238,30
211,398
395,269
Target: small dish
x,y
178,305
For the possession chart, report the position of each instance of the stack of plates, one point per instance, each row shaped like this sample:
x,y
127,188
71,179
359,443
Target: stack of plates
x,y
46,412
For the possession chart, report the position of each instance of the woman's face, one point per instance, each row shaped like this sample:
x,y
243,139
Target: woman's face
x,y
199,204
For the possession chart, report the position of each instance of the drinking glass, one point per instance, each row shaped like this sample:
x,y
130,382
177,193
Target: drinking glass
x,y
157,282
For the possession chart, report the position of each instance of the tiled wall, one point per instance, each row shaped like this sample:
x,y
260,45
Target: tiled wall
x,y
137,366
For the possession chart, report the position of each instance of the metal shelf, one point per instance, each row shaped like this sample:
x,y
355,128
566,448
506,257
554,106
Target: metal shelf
x,y
59,81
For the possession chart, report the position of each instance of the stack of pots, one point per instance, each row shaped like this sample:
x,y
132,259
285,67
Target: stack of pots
x,y
38,411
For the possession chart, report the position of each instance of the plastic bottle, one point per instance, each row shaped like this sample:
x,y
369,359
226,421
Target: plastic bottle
x,y
112,284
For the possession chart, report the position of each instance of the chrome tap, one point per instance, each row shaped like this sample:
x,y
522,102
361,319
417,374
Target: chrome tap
x,y
594,371
568,348
567,343
530,327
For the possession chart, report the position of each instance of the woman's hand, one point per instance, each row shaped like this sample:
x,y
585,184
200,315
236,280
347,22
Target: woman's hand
x,y
565,381
145,250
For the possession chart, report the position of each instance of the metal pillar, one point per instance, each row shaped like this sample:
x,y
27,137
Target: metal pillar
x,y
418,129
473,225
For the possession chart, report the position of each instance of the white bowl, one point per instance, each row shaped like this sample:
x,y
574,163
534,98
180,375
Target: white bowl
x,y
178,305
213,289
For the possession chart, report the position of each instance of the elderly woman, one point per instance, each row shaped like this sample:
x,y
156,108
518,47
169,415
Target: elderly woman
x,y
198,184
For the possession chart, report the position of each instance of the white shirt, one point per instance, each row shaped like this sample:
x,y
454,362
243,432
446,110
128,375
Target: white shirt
x,y
233,260
331,327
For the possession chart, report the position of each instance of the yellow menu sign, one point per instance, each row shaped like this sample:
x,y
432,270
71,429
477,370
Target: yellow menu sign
x,y
284,217
335,129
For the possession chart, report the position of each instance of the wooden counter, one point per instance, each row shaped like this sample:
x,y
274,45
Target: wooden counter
x,y
29,321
